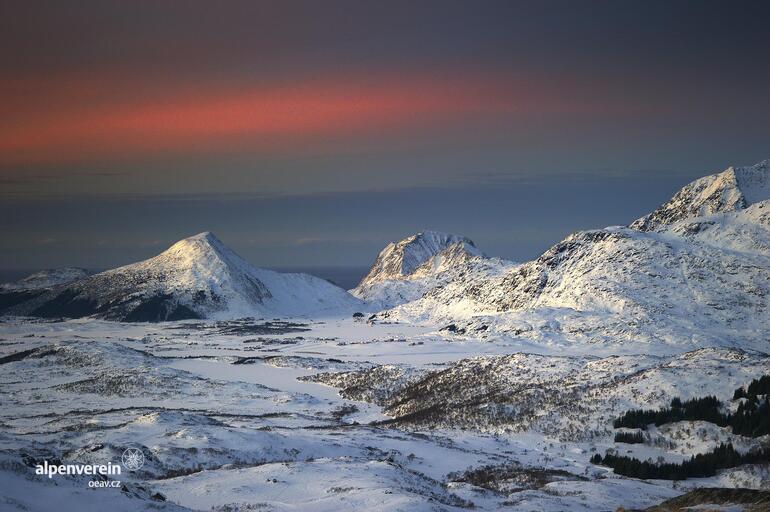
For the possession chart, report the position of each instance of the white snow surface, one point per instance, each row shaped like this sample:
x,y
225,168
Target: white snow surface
x,y
225,425
732,189
46,279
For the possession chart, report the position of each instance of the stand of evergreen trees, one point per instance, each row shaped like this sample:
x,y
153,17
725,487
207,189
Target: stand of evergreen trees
x,y
629,437
706,409
703,465
752,419
760,386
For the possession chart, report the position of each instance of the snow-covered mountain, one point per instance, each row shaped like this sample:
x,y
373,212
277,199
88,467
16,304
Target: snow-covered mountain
x,y
399,260
198,277
734,189
697,270
47,278
405,270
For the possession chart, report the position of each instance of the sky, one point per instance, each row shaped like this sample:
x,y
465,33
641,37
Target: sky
x,y
313,133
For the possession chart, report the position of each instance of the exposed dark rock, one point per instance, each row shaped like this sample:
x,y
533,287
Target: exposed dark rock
x,y
752,500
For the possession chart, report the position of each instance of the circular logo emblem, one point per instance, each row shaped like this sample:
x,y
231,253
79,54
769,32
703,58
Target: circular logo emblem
x,y
133,459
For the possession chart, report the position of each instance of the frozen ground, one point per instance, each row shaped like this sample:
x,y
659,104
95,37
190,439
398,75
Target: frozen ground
x,y
225,424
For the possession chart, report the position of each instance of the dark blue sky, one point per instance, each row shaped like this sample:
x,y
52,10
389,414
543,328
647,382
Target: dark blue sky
x,y
312,133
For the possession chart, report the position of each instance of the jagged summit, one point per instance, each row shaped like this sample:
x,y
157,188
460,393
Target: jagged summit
x,y
735,188
405,270
399,260
197,277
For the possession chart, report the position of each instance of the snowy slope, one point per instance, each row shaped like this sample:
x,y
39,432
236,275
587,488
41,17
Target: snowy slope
x,y
733,189
567,397
405,270
47,278
198,277
699,279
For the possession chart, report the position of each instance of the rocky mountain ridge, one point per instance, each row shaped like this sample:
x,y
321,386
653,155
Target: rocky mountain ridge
x,y
735,188
690,275
405,270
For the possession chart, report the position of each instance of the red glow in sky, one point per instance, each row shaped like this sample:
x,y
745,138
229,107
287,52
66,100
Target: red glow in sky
x,y
71,129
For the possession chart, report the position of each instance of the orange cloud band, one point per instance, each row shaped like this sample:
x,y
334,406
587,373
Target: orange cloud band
x,y
73,120
256,116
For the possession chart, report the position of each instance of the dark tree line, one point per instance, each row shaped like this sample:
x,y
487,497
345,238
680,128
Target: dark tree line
x,y
702,465
752,418
706,409
760,386
629,437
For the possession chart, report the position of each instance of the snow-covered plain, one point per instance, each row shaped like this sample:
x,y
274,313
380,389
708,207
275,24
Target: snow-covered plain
x,y
225,424
482,384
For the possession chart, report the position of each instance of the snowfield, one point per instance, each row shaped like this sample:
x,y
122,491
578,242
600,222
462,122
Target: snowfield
x,y
465,382
233,420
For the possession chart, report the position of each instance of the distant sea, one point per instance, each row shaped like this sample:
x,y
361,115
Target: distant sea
x,y
344,277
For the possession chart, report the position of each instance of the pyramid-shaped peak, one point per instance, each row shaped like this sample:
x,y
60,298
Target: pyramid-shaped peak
x,y
202,241
206,237
203,252
197,277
